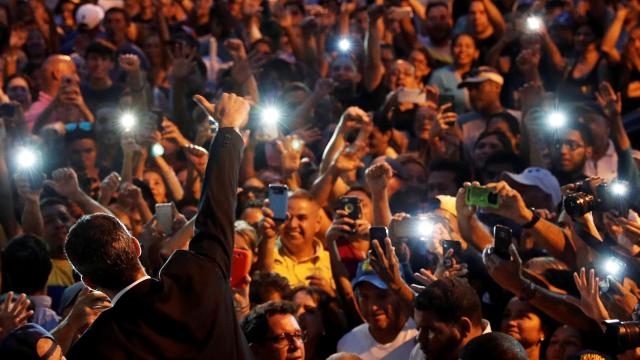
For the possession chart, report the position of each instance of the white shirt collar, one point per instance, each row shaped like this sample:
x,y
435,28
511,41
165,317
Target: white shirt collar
x,y
119,294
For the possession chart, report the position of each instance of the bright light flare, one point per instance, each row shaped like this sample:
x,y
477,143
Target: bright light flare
x,y
127,121
613,266
557,119
425,228
619,188
27,158
270,115
534,23
157,150
344,45
297,144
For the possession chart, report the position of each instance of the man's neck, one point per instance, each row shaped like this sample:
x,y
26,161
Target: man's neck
x,y
100,83
599,151
301,253
118,41
387,335
492,109
485,33
112,293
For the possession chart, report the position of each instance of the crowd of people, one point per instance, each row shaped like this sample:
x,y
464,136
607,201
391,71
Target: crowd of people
x,y
320,179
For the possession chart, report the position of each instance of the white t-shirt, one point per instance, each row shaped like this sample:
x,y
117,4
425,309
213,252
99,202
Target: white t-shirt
x,y
360,341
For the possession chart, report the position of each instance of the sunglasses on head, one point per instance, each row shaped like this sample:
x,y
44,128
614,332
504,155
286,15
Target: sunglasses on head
x,y
83,126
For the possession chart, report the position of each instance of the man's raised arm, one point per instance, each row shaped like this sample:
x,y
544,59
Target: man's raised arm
x,y
214,223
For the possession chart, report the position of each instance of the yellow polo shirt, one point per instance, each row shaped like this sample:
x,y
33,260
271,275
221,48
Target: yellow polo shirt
x,y
297,271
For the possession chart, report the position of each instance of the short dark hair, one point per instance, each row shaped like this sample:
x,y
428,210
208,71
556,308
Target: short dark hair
x,y
450,299
256,325
435,4
502,138
26,265
120,10
497,346
583,129
53,201
512,121
101,249
502,157
102,48
381,122
460,169
265,283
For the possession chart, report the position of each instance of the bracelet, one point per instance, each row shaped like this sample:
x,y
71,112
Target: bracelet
x,y
534,220
528,291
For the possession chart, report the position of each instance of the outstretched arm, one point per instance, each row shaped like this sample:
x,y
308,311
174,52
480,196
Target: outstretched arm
x,y
214,223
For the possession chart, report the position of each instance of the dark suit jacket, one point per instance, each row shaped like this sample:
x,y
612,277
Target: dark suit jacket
x,y
187,313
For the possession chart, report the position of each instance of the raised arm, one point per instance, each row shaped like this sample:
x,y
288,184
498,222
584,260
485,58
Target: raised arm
x,y
65,182
373,67
214,223
495,17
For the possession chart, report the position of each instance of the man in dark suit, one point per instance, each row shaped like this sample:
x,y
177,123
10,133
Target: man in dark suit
x,y
187,313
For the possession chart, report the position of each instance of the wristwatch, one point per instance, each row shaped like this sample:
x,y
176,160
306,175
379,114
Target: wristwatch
x,y
534,220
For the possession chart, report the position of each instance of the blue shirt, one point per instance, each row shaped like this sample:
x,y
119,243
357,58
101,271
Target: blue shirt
x,y
446,80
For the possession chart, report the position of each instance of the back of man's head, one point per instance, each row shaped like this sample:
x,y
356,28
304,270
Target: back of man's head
x,y
495,346
55,68
26,265
451,299
102,250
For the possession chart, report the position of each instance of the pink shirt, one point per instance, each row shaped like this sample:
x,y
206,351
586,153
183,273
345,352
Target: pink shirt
x,y
66,114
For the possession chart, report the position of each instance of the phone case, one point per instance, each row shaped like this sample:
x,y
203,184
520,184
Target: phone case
x,y
502,239
278,201
164,216
240,266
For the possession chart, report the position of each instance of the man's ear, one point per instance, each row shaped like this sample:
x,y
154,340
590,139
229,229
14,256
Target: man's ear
x,y
137,246
464,327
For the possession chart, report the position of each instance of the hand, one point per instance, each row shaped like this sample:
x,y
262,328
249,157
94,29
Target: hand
x,y
387,266
290,149
23,185
198,156
232,111
323,88
236,49
619,301
348,7
609,101
346,161
531,95
284,19
182,64
630,229
443,119
322,283
13,314
129,63
511,204
352,118
464,211
129,145
309,134
344,226
528,60
64,181
132,192
109,185
589,302
171,132
378,177
375,12
87,307
507,273
241,301
268,228
424,277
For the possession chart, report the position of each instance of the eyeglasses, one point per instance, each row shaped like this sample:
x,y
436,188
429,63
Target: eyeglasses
x,y
572,145
283,340
83,125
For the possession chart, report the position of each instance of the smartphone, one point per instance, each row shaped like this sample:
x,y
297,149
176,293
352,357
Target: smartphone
x,y
502,239
457,250
482,197
36,179
378,233
415,96
7,110
164,217
279,201
240,266
159,117
351,205
400,13
447,99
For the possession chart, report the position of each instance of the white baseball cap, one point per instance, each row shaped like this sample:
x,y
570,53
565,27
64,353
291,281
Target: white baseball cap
x,y
89,16
540,178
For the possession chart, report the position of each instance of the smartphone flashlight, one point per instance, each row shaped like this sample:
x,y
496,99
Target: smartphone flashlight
x,y
157,150
344,45
270,115
534,23
297,144
619,188
425,228
26,158
127,121
557,119
613,267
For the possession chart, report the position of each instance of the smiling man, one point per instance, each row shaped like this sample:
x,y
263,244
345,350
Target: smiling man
x,y
273,333
388,333
299,256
